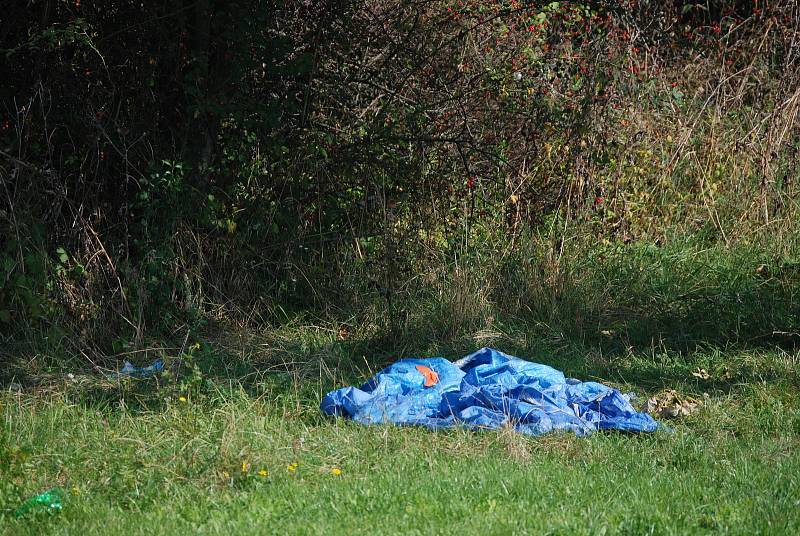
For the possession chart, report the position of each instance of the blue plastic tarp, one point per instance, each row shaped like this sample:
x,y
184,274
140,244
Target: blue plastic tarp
x,y
486,390
130,371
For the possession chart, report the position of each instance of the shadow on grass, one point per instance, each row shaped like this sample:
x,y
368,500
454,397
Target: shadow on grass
x,y
646,321
299,374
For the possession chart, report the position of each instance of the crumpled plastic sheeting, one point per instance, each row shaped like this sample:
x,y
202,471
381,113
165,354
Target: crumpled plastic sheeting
x,y
130,371
486,390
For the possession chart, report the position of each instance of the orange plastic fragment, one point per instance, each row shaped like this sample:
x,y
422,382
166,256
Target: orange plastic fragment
x,y
431,377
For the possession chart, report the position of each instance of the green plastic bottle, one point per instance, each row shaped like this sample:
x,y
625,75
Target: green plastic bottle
x,y
49,501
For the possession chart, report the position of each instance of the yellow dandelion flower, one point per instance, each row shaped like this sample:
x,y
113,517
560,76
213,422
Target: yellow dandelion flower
x,y
263,473
336,471
245,467
182,399
292,467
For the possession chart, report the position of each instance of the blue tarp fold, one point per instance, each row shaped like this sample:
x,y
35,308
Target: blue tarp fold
x,y
486,390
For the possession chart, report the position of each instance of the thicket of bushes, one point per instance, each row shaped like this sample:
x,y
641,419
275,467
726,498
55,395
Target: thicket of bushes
x,y
163,166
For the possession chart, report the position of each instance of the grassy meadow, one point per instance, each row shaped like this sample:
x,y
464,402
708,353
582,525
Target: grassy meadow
x,y
231,440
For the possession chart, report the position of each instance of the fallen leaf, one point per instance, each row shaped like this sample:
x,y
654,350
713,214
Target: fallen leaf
x,y
670,405
702,374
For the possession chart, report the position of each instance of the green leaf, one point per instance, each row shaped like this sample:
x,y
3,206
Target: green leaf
x,y
677,95
62,255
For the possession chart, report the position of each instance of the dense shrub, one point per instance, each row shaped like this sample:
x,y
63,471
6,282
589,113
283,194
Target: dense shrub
x,y
171,163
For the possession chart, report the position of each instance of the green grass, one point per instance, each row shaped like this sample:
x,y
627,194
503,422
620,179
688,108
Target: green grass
x,y
134,459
